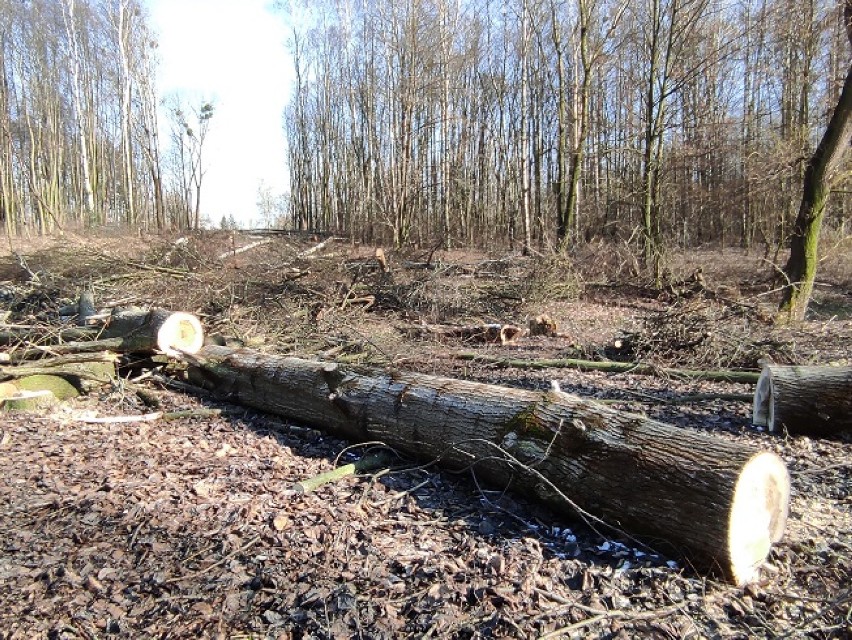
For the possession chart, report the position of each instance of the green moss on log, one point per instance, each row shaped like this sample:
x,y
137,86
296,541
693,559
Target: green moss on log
x,y
30,401
61,388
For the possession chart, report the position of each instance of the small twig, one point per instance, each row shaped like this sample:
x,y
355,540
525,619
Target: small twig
x,y
402,494
616,614
367,463
152,417
219,562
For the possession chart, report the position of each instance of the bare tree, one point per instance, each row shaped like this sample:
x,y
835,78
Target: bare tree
x,y
820,173
75,58
190,126
431,121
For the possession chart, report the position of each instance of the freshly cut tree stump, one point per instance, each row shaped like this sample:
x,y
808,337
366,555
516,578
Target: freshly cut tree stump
x,y
29,401
719,502
813,401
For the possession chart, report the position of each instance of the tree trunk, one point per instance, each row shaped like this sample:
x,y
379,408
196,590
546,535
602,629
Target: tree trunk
x,y
123,36
128,331
722,503
802,263
77,101
804,400
523,123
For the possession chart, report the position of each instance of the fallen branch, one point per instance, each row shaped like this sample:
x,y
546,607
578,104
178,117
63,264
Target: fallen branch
x,y
745,377
369,462
317,247
78,349
151,417
233,252
486,333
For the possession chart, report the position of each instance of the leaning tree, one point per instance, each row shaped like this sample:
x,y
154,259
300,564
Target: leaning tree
x,y
820,173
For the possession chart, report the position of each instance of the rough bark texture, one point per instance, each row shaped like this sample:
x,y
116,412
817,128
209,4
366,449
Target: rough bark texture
x,y
804,400
719,502
802,264
129,331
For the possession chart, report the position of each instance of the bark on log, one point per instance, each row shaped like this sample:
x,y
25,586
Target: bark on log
x,y
814,401
129,331
719,502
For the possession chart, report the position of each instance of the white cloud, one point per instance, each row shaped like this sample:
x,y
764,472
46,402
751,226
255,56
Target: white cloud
x,y
233,52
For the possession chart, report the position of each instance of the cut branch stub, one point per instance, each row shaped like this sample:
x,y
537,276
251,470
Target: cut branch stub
x,y
810,400
719,502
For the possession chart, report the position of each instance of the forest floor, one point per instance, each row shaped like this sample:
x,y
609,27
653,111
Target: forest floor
x,y
191,527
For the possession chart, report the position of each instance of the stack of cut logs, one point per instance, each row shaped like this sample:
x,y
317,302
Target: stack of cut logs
x,y
720,503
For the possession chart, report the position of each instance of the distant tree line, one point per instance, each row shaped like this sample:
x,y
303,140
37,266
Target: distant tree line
x,y
79,124
536,124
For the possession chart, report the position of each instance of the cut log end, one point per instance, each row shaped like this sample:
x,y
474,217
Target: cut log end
x,y
761,415
758,514
804,400
180,333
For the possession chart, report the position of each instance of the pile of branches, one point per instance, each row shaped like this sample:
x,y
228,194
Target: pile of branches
x,y
700,332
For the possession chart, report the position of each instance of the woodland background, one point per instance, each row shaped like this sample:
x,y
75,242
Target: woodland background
x,y
531,124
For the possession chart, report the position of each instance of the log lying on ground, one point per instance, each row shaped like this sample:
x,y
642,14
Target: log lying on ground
x,y
98,367
492,333
719,502
804,400
156,330
128,331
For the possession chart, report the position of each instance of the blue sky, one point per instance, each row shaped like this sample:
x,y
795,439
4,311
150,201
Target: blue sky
x,y
232,52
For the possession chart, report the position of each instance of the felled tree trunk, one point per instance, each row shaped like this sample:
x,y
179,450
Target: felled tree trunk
x,y
717,501
128,331
813,401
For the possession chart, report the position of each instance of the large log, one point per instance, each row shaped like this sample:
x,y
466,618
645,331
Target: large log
x,y
131,330
813,400
717,501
